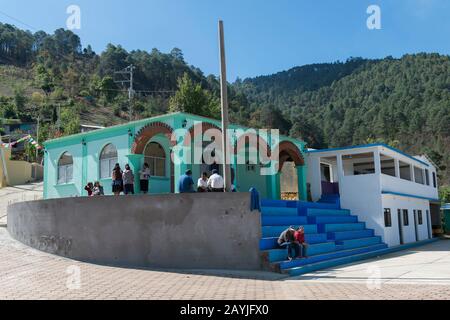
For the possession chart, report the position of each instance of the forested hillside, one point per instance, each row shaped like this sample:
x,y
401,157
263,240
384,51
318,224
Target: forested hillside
x,y
404,102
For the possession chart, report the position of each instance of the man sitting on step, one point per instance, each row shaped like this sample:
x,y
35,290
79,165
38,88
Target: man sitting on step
x,y
287,238
300,239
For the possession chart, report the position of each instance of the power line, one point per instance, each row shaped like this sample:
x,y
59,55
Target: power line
x,y
19,21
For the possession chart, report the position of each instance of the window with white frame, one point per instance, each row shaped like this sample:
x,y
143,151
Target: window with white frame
x,y
418,175
155,156
108,159
65,169
358,164
427,177
387,165
405,171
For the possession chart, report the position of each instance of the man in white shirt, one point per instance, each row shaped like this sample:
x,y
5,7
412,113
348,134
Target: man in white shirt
x,y
215,182
202,185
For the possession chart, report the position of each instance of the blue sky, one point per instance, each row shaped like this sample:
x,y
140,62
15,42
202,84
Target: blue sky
x,y
262,36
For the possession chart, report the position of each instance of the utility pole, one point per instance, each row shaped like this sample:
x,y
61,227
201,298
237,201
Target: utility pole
x,y
59,118
128,71
37,136
224,102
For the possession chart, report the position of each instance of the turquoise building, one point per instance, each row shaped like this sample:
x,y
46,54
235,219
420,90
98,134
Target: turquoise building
x,y
73,161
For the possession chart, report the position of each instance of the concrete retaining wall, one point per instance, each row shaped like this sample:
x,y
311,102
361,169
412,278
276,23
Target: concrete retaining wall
x,y
211,231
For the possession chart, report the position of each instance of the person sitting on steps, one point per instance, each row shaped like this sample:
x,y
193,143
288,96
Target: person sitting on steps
x,y
300,239
287,238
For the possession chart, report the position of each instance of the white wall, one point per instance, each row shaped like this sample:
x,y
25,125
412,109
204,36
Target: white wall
x,y
392,236
361,194
314,176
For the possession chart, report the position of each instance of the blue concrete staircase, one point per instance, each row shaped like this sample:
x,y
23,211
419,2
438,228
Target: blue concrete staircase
x,y
334,236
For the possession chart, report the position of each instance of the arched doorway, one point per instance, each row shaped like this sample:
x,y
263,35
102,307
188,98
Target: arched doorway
x,y
152,145
291,184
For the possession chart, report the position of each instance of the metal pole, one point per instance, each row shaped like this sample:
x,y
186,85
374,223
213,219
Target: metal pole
x,y
130,94
224,102
37,137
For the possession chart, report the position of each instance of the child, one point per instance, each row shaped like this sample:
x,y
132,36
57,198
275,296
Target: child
x,y
98,189
89,188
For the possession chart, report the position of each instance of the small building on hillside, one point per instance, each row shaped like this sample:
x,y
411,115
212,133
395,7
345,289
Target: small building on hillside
x,y
11,126
73,161
392,192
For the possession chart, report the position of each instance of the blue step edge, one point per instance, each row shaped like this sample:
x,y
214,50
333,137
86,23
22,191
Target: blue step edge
x,y
329,256
354,258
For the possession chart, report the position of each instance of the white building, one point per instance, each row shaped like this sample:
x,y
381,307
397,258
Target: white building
x,y
394,193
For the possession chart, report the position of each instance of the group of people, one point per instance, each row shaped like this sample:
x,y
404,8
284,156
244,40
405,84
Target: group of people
x,y
294,240
123,181
94,189
213,183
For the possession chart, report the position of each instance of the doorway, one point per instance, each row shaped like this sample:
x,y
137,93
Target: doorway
x,y
400,226
416,226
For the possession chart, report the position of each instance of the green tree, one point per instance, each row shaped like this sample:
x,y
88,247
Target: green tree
x,y
192,98
444,194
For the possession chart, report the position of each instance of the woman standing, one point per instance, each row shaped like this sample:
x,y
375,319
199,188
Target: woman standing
x,y
145,176
117,184
128,180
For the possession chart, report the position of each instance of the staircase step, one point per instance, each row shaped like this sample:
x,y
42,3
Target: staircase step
x,y
311,212
332,219
329,256
373,251
272,242
277,255
317,205
357,243
279,203
348,235
275,231
279,211
283,220
339,227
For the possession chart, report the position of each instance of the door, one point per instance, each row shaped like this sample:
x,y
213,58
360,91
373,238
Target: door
x,y
429,226
400,226
416,226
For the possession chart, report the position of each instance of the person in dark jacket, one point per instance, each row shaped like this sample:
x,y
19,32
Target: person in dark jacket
x,y
117,181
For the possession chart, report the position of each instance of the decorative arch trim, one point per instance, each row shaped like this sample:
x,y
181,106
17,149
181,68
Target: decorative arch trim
x,y
147,133
289,151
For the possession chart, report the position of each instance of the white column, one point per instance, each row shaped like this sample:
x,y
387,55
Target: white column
x,y
315,178
413,176
377,160
397,168
340,172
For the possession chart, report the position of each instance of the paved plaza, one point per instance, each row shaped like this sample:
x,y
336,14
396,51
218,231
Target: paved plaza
x,y
26,273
